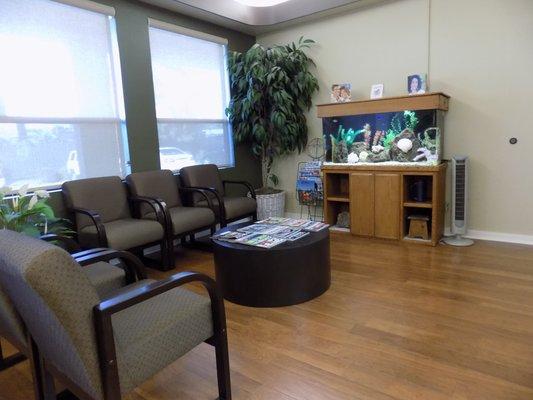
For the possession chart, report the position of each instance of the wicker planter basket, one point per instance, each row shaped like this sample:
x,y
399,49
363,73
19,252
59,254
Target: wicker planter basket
x,y
270,205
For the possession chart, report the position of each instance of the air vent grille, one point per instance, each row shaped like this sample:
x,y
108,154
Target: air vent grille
x,y
460,178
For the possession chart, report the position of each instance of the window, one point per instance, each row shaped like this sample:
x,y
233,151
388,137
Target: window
x,y
191,94
61,105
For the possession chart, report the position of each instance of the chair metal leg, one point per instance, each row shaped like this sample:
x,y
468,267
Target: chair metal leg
x,y
41,385
8,362
223,370
170,258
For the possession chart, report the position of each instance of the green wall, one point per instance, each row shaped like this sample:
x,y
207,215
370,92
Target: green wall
x,y
132,33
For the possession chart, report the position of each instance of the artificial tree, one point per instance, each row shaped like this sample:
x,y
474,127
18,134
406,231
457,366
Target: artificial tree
x,y
271,91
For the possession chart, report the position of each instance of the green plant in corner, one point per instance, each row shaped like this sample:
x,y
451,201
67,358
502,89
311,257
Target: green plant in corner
x,y
271,91
29,213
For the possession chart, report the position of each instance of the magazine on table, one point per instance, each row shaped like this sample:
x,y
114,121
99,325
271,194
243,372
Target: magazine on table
x,y
260,240
295,223
314,226
287,232
230,236
271,232
303,224
250,239
255,228
279,231
296,235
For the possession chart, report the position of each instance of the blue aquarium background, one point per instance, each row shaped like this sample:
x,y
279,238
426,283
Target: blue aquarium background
x,y
405,136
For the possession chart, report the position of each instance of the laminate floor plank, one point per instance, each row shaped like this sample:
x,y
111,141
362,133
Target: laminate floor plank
x,y
400,322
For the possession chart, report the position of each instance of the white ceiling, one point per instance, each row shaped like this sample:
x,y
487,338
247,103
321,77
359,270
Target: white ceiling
x,y
254,20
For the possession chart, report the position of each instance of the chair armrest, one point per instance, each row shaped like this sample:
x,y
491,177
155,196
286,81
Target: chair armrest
x,y
70,244
203,192
97,222
221,208
161,211
104,328
83,253
138,295
157,205
242,183
134,267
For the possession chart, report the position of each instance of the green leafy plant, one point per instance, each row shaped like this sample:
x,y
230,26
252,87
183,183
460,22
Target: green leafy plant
x,y
271,90
29,213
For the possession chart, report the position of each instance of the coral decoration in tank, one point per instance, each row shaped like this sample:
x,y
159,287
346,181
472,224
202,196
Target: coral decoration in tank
x,y
392,137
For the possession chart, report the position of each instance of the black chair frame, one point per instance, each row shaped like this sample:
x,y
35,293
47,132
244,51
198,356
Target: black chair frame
x,y
221,208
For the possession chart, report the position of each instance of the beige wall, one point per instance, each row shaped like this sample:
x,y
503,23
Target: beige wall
x,y
479,52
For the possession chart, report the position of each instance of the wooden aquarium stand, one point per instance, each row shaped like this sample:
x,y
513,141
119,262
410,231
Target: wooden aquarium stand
x,y
378,198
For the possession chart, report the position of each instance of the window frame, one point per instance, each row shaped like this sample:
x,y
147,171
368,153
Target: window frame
x,y
124,163
226,91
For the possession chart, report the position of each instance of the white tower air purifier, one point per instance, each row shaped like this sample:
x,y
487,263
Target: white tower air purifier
x,y
459,202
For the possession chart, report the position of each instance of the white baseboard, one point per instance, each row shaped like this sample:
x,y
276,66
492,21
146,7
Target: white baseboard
x,y
474,234
497,236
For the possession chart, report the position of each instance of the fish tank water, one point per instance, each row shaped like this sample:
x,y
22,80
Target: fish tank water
x,y
406,137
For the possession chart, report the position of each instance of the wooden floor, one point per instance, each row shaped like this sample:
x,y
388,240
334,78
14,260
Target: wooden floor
x,y
399,322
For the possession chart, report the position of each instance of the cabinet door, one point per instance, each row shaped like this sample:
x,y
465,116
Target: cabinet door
x,y
387,205
362,203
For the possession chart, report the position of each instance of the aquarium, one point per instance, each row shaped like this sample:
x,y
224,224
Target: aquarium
x,y
391,138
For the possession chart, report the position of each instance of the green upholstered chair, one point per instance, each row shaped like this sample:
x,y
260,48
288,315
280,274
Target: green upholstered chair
x,y
162,187
104,219
226,208
104,348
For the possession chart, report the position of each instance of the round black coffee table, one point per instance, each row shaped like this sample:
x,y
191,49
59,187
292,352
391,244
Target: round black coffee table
x,y
290,273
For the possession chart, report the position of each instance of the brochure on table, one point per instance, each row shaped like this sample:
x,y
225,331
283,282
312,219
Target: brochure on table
x,y
271,232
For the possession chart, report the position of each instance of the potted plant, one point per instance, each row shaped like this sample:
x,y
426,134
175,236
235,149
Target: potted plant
x,y
271,91
29,213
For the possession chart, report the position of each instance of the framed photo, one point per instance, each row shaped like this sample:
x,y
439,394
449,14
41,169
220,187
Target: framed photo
x,y
416,84
341,92
377,91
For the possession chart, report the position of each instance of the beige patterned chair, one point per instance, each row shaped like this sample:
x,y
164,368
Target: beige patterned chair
x,y
106,278
104,219
103,349
162,187
226,208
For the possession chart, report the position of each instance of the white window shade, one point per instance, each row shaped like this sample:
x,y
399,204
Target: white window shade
x,y
60,93
191,94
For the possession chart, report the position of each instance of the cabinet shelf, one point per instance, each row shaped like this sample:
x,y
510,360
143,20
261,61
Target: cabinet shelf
x,y
418,204
338,229
416,240
340,199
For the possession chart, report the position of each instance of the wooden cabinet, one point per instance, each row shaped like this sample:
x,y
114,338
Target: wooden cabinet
x,y
387,205
375,204
362,203
378,199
